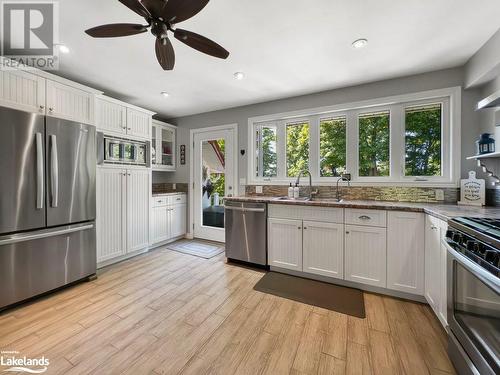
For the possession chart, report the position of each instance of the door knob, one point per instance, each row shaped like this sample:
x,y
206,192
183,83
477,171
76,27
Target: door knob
x,y
229,188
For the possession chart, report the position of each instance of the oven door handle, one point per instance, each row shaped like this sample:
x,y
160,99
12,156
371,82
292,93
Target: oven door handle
x,y
478,271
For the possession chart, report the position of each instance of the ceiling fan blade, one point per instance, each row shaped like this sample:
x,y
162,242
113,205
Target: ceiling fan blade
x,y
201,43
155,7
137,7
116,29
165,53
176,11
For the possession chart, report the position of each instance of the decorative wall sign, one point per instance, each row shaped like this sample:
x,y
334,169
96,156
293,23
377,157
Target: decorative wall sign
x,y
472,191
182,154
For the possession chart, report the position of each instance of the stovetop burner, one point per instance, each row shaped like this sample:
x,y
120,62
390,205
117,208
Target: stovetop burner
x,y
478,239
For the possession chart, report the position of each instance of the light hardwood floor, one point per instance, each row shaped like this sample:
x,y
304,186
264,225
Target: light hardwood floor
x,y
170,313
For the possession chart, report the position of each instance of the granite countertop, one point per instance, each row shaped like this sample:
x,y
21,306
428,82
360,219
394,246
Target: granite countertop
x,y
167,194
441,211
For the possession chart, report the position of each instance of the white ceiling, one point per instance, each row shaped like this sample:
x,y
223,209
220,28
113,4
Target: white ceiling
x,y
286,48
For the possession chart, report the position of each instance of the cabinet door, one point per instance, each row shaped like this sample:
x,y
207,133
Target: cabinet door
x,y
285,243
405,252
432,263
166,151
69,103
366,255
138,123
23,91
111,117
323,248
111,210
138,186
178,220
159,224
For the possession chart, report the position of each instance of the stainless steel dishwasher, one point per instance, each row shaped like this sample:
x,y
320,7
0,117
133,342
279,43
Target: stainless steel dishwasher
x,y
246,232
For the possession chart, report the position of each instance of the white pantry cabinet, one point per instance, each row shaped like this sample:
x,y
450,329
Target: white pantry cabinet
x,y
405,251
22,90
285,243
323,246
122,212
435,267
366,255
123,120
70,103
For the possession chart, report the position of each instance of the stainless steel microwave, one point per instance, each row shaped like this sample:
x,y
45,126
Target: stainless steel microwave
x,y
114,150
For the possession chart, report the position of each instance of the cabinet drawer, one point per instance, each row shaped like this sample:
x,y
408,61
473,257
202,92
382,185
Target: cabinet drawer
x,y
160,201
177,199
312,213
374,218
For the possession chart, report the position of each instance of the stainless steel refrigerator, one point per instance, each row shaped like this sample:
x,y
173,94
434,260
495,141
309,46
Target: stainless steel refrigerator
x,y
47,204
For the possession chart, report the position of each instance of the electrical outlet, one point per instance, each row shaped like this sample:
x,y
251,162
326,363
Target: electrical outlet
x,y
439,194
258,189
174,186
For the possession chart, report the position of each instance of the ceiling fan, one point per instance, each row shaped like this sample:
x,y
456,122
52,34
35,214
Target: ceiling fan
x,y
161,16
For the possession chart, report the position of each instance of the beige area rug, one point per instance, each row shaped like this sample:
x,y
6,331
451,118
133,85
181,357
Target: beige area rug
x,y
198,248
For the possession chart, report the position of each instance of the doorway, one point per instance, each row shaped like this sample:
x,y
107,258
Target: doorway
x,y
213,179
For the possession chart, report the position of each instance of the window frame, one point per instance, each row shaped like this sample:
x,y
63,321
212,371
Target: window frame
x,y
449,98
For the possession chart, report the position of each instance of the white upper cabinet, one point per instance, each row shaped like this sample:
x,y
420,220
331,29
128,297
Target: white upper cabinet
x,y
285,243
323,249
123,120
22,90
163,146
366,255
405,252
111,116
67,102
139,123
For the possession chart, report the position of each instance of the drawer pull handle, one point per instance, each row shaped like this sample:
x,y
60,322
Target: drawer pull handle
x,y
178,199
365,217
158,201
434,227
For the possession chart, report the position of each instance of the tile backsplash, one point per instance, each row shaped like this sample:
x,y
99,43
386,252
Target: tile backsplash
x,y
378,193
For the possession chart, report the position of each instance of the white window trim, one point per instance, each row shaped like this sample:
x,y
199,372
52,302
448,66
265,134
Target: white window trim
x,y
451,143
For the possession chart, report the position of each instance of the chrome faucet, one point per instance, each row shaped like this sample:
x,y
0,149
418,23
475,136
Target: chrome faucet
x,y
343,177
311,192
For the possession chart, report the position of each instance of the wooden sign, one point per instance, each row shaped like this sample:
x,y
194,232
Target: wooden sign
x,y
472,191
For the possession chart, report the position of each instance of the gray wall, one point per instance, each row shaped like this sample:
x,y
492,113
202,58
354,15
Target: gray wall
x,y
484,66
405,85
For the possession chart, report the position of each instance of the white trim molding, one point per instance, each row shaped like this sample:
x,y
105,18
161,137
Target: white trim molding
x,y
449,98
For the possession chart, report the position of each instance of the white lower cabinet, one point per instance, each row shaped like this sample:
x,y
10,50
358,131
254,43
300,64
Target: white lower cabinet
x,y
122,218
435,267
323,249
168,218
366,255
285,243
405,252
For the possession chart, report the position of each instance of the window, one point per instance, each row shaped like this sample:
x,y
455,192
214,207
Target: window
x,y
297,148
374,144
267,159
332,146
423,127
411,140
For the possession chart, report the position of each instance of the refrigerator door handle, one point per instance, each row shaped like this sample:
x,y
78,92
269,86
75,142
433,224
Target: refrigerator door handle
x,y
9,240
54,175
39,171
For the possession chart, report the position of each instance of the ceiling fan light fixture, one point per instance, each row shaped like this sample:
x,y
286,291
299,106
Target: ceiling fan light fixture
x,y
359,43
239,76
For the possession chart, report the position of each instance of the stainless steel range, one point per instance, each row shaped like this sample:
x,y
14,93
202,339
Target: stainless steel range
x,y
473,294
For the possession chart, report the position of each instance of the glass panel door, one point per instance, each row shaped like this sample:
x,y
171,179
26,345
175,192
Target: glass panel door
x,y
213,182
153,145
167,145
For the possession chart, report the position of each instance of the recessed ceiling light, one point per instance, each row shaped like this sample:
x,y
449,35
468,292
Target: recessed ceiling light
x,y
165,94
239,75
63,48
360,43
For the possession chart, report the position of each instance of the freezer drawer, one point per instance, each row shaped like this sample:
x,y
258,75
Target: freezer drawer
x,y
32,263
246,232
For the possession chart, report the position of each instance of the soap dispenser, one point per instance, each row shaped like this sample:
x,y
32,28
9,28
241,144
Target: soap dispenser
x,y
290,191
296,191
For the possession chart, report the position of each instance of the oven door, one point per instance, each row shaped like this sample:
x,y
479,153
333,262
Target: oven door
x,y
474,313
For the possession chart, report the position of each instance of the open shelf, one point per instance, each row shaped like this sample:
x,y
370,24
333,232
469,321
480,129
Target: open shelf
x,y
485,156
491,101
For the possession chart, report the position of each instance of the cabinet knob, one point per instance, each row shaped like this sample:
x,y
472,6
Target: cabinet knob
x,y
41,108
305,228
299,228
433,227
347,232
51,109
129,128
